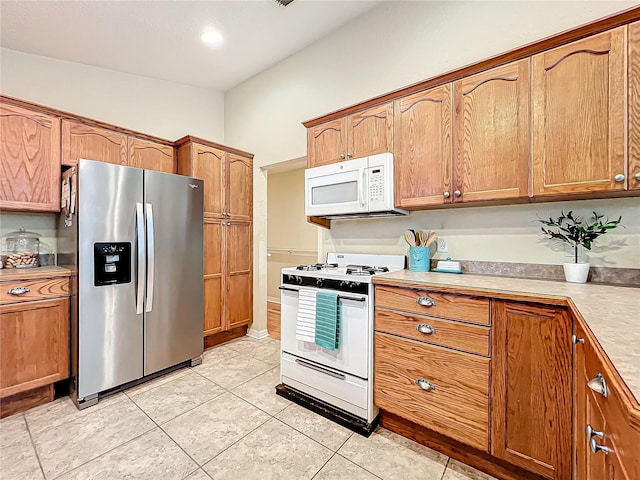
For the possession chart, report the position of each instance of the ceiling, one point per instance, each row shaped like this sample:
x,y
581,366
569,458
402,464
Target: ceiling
x,y
161,39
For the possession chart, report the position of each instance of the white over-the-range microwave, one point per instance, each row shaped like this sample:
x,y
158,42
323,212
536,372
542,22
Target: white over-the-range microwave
x,y
362,187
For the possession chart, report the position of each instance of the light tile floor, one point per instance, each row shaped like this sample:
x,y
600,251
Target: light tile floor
x,y
219,420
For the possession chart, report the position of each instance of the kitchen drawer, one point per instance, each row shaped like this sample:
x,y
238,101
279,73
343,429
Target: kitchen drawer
x,y
621,431
446,333
457,406
443,305
38,289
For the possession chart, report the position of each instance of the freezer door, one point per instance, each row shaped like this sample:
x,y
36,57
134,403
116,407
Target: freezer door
x,y
111,276
174,308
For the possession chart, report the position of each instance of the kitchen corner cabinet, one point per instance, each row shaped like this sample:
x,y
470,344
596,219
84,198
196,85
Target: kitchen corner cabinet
x,y
579,116
491,134
30,160
228,234
634,106
422,148
606,427
151,155
531,390
93,143
360,134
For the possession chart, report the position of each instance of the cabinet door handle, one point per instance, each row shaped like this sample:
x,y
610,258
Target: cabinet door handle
x,y
575,339
446,194
619,178
425,384
593,433
425,328
595,448
342,156
598,384
426,301
349,155
18,290
637,175
457,193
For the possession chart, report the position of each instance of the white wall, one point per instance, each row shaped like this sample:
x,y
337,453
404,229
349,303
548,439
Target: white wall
x,y
156,107
394,45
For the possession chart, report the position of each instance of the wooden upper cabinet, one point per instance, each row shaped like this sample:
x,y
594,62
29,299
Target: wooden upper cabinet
x,y
30,160
208,164
239,187
239,279
578,116
326,143
151,155
422,150
370,131
531,390
92,143
491,134
213,276
634,106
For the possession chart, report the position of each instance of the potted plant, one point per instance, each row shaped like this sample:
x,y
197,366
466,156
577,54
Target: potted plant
x,y
576,231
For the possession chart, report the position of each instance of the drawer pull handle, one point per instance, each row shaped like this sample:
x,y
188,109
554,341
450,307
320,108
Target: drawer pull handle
x,y
425,328
426,301
425,384
593,433
598,384
18,290
595,448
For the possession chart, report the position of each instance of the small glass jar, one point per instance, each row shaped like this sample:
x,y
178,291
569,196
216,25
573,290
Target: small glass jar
x,y
21,249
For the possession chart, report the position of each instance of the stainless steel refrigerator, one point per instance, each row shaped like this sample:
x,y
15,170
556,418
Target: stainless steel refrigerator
x,y
136,238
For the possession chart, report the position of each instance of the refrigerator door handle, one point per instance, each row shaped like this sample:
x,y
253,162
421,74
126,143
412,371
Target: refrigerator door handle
x,y
140,265
150,257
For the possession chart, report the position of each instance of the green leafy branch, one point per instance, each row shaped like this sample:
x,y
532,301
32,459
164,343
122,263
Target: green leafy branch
x,y
575,231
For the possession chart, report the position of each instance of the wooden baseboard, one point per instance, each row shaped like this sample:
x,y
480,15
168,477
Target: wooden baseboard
x,y
23,401
456,450
273,320
222,337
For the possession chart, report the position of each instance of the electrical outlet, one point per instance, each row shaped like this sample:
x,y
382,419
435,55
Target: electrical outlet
x,y
443,245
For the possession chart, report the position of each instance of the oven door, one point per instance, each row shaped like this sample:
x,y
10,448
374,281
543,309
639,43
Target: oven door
x,y
336,189
355,334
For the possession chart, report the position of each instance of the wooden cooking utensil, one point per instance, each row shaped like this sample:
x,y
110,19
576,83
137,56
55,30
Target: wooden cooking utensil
x,y
423,236
410,238
431,239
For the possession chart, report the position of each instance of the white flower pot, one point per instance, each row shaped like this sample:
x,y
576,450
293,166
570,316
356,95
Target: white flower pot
x,y
576,272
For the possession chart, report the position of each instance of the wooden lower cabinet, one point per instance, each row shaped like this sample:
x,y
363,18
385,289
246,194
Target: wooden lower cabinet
x,y
439,388
531,391
614,421
228,279
34,345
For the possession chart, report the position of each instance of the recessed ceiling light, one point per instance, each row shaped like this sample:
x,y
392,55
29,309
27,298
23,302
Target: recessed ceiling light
x,y
212,38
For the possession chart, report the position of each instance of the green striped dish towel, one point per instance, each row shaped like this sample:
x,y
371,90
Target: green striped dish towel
x,y
327,320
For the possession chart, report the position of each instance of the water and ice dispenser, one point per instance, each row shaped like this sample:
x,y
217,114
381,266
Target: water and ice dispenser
x,y
111,263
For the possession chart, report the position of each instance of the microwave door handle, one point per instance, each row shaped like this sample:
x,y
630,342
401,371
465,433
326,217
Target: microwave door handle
x,y
363,190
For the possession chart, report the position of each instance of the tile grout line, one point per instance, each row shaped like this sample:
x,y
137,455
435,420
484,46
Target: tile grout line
x,y
171,438
446,466
324,465
358,465
33,444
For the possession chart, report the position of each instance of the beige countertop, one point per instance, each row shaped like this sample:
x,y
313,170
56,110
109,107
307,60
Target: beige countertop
x,y
611,313
13,274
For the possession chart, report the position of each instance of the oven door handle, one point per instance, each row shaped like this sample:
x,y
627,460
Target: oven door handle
x,y
359,299
289,289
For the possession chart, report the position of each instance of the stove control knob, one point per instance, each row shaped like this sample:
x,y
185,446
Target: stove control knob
x,y
319,282
299,280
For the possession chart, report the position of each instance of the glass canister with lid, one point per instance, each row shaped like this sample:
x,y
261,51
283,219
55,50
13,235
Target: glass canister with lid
x,y
21,249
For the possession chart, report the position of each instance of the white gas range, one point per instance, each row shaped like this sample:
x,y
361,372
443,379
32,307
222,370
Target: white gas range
x,y
335,383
